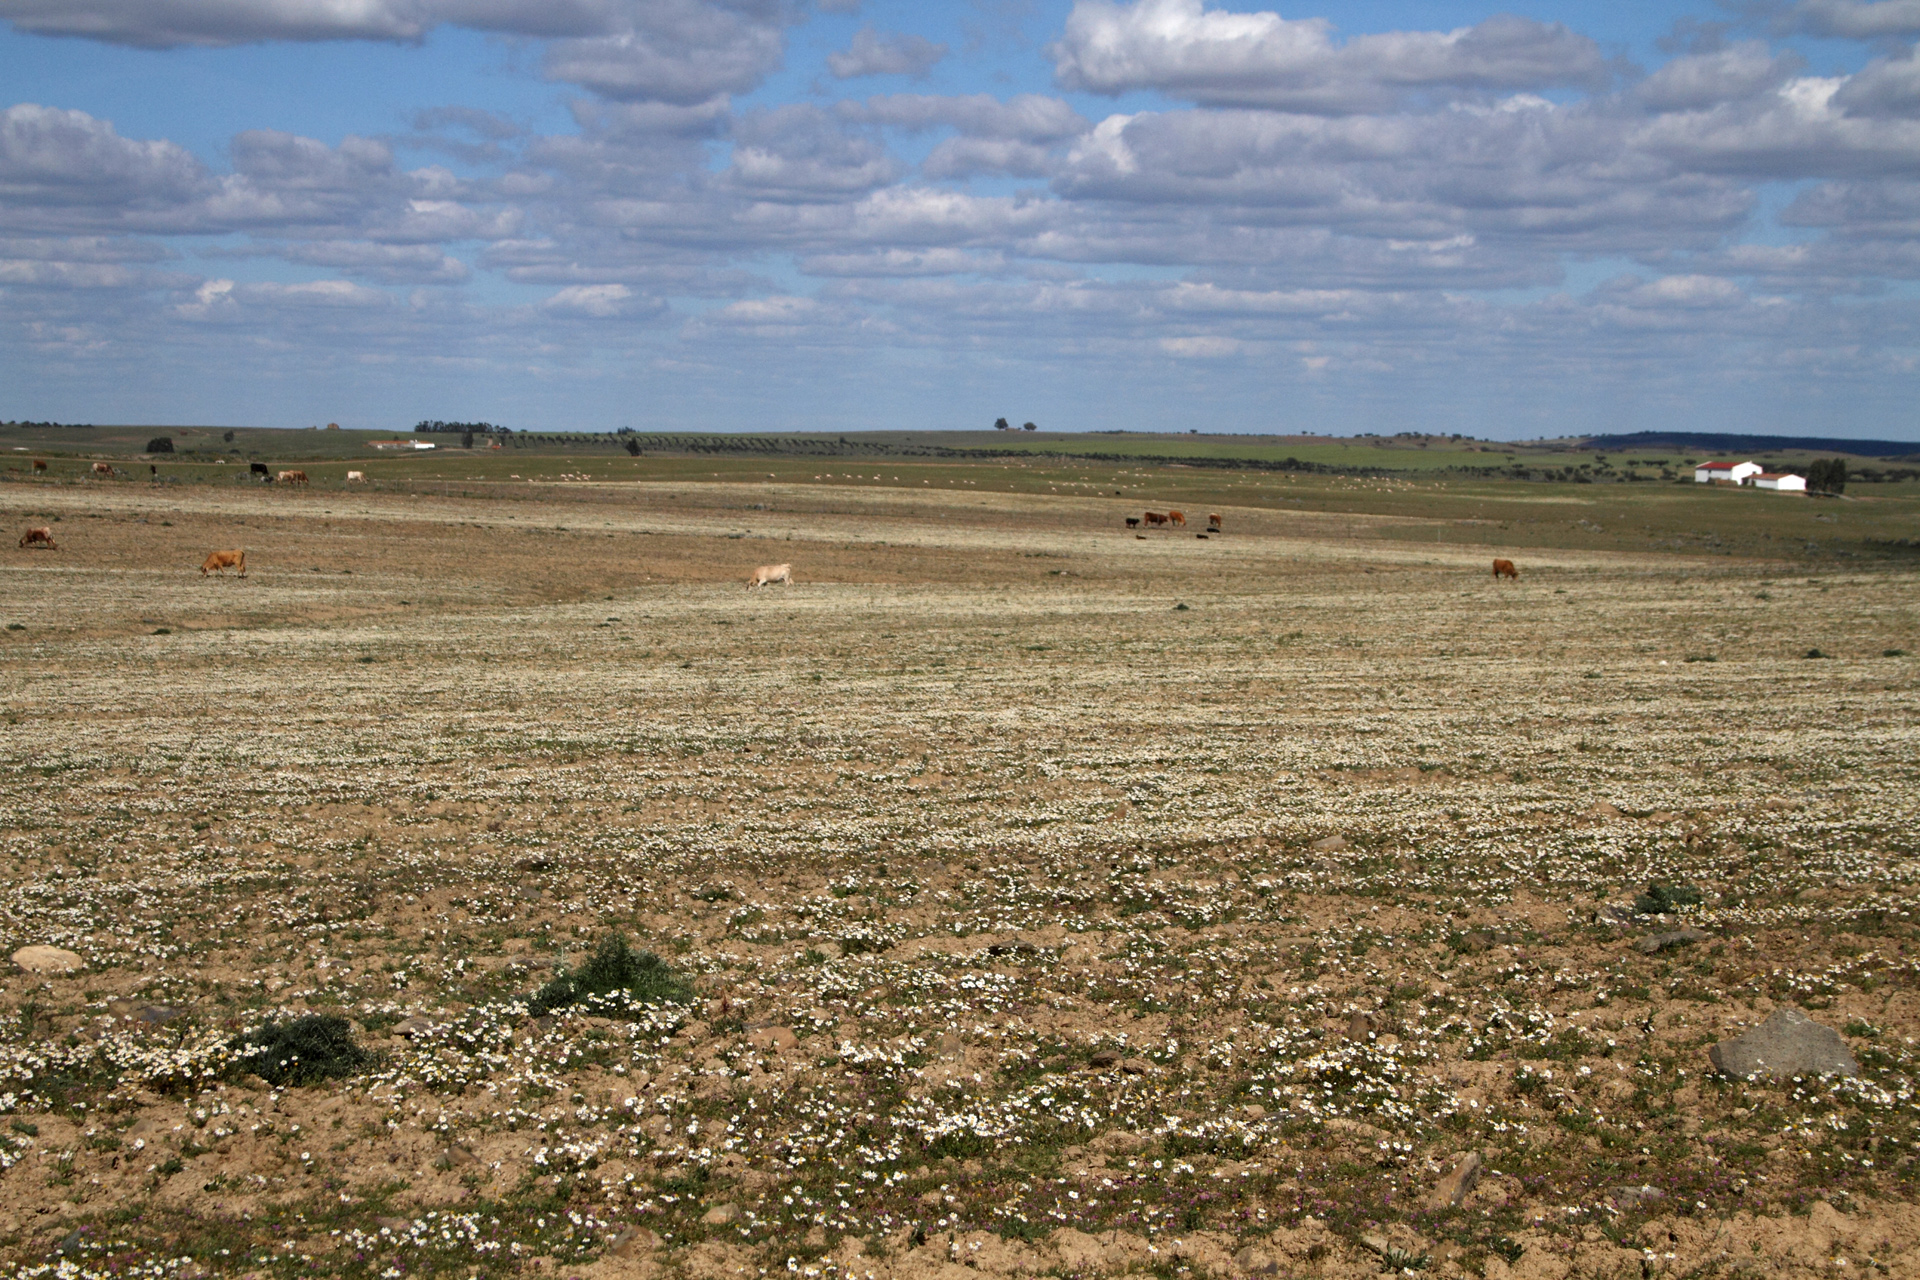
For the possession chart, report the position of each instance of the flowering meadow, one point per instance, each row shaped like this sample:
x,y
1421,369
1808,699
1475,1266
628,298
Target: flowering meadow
x,y
1046,901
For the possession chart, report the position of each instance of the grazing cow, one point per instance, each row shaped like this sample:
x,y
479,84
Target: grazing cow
x,y
220,561
260,469
1154,518
292,477
39,536
1133,522
103,469
356,477
1177,517
1213,523
39,464
768,574
1505,569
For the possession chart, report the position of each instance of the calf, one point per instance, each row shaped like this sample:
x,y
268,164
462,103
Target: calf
x,y
39,464
1133,522
39,536
1213,523
1505,569
767,574
1177,517
220,561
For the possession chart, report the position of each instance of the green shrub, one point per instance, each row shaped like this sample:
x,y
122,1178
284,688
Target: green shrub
x,y
1660,899
305,1050
614,967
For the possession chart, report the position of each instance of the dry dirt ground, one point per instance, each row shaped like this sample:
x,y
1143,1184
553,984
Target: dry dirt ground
x,y
1056,902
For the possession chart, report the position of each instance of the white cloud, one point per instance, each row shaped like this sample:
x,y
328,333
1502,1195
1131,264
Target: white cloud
x,y
1261,59
53,157
598,301
892,54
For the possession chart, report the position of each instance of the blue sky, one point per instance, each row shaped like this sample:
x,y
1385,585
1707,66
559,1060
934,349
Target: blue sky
x,y
847,214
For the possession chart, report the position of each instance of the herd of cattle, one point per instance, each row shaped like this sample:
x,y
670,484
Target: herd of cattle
x,y
1169,519
767,574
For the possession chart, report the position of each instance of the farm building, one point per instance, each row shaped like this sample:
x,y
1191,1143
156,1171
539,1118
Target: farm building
x,y
1785,482
1725,472
401,444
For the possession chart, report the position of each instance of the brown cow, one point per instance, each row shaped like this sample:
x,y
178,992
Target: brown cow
x,y
39,464
1505,569
1213,523
293,477
39,536
220,561
1177,517
770,573
1154,518
103,468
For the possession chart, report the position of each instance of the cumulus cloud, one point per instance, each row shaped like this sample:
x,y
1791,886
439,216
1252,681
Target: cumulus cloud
x,y
875,54
1261,59
53,157
1026,117
677,51
595,301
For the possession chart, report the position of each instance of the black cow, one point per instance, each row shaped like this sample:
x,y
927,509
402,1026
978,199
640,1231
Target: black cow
x,y
260,469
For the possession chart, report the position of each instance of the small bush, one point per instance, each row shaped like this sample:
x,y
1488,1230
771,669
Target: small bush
x,y
614,967
1659,899
160,444
305,1050
1815,653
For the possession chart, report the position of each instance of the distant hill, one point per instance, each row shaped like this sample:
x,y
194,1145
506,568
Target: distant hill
x,y
1710,442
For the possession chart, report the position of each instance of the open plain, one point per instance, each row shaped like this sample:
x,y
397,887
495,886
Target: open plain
x,y
1055,900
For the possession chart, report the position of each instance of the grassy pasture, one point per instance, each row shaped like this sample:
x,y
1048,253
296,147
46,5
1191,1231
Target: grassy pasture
x,y
1056,901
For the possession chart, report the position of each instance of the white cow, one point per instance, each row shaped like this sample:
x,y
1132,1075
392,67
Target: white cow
x,y
356,477
767,574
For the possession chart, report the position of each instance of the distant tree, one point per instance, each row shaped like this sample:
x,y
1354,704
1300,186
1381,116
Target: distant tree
x,y
633,447
1827,475
160,444
466,440
229,437
1000,424
1029,427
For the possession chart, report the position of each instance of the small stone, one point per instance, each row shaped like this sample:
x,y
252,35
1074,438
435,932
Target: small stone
x,y
1453,1189
1787,1044
410,1027
634,1240
1136,1066
1360,1025
1375,1242
1332,844
1666,941
1255,1262
773,1039
1603,810
1104,1058
721,1215
1627,1199
140,1011
47,960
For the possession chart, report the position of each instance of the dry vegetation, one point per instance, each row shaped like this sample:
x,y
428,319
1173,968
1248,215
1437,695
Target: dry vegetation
x,y
1055,902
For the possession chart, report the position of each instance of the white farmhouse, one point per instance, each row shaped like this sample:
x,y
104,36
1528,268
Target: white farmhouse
x,y
1727,472
428,444
1784,482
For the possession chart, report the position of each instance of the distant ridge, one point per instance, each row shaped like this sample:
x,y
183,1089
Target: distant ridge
x,y
1715,442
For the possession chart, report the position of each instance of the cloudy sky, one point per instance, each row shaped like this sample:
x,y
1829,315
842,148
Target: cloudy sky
x,y
1379,215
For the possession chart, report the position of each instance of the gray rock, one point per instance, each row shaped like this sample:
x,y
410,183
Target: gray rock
x,y
1787,1044
1332,844
1627,1199
1460,1180
1666,941
1255,1261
